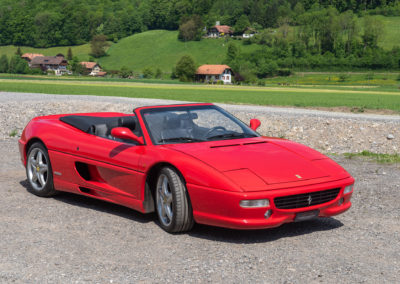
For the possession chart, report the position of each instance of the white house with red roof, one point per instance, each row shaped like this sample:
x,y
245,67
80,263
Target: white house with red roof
x,y
214,73
219,30
93,68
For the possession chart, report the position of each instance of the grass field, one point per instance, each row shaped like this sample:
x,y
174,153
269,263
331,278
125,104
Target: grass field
x,y
299,97
342,79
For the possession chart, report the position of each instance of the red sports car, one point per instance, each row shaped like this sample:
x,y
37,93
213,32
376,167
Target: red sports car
x,y
189,163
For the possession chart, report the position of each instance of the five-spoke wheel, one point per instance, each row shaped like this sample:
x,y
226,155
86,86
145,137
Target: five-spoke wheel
x,y
172,202
38,170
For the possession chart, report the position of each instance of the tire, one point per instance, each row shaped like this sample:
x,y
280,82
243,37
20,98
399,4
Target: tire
x,y
172,202
39,172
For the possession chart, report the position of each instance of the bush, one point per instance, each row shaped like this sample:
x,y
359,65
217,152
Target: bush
x,y
125,72
158,73
185,69
284,72
148,73
343,77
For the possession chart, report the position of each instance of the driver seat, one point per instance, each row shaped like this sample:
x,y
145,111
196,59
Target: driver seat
x,y
174,127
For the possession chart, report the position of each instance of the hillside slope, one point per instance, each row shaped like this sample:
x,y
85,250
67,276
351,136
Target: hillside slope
x,y
162,49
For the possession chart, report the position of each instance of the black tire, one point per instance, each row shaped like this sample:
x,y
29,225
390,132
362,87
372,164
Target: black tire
x,y
39,172
173,198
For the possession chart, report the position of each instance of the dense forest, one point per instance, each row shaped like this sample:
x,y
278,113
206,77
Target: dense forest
x,y
71,22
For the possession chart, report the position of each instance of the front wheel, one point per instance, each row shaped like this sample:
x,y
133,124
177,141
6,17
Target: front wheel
x,y
172,202
38,171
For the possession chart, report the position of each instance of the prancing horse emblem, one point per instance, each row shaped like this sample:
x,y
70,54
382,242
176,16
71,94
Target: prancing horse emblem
x,y
309,199
298,176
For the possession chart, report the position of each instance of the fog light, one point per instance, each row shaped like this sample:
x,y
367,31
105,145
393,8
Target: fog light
x,y
348,189
268,214
341,200
254,203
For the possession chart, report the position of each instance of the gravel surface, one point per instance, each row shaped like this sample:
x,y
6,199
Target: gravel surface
x,y
74,239
328,132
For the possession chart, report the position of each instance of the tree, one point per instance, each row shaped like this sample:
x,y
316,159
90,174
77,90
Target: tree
x,y
232,52
191,28
125,72
19,51
3,64
77,68
98,45
158,73
373,30
241,24
185,69
18,65
148,73
69,54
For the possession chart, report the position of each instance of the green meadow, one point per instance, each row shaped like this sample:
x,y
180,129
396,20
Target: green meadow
x,y
279,96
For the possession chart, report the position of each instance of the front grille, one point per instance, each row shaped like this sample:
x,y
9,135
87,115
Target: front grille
x,y
306,199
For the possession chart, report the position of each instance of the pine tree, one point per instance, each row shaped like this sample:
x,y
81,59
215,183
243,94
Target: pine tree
x,y
19,51
69,54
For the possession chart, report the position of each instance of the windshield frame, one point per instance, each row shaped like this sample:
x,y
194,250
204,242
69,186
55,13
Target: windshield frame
x,y
193,107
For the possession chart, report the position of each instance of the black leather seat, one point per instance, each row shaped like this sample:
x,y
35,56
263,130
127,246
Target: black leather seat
x,y
174,126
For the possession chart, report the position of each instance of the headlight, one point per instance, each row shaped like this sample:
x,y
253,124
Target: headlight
x,y
254,203
348,189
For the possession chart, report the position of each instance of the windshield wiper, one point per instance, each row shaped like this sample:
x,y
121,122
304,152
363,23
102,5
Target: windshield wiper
x,y
186,139
231,135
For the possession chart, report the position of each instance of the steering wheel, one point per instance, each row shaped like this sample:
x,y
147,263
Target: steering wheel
x,y
219,128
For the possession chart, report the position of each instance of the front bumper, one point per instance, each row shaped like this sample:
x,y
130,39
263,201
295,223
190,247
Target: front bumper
x,y
221,208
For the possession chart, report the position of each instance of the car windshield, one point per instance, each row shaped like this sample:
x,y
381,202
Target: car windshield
x,y
187,124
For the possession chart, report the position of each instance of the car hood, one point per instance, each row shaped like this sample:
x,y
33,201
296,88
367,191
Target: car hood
x,y
255,163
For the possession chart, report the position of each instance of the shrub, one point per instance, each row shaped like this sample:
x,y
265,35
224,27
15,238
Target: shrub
x,y
343,77
185,69
125,72
284,72
148,73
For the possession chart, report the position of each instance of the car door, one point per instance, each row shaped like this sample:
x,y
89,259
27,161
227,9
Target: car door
x,y
110,166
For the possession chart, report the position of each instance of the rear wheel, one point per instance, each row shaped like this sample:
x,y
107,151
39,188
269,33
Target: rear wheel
x,y
39,172
172,202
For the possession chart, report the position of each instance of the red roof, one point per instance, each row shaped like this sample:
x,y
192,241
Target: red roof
x,y
223,29
101,74
30,56
211,69
48,60
88,65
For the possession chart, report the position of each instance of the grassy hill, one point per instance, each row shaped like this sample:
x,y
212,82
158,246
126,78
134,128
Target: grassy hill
x,y
160,48
391,36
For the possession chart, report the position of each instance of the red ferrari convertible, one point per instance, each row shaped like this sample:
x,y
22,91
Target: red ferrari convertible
x,y
189,163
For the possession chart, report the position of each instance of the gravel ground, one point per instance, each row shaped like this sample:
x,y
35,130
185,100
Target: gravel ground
x,y
74,239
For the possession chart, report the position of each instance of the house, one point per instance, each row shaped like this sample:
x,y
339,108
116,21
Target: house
x,y
93,69
219,31
29,56
57,64
249,32
214,73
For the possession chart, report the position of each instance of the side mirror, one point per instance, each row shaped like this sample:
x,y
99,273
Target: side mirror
x,y
254,123
126,133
